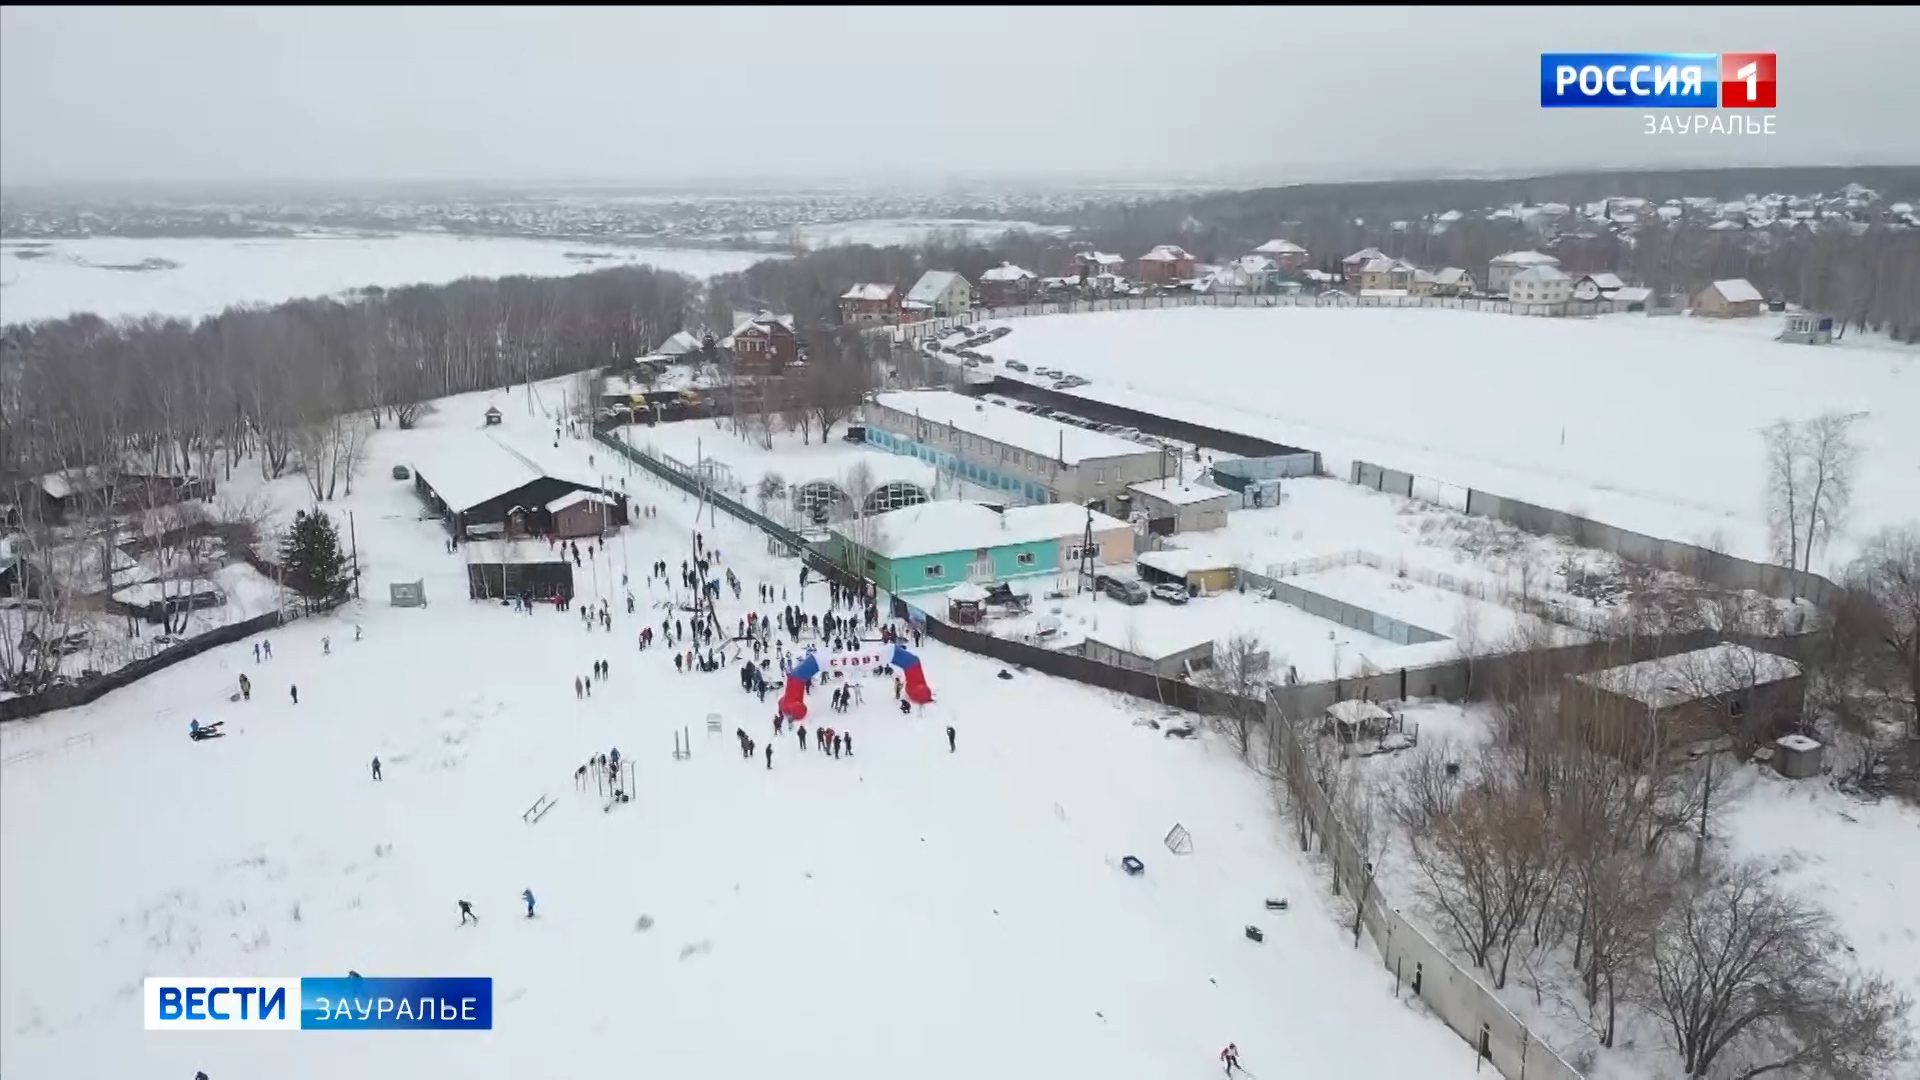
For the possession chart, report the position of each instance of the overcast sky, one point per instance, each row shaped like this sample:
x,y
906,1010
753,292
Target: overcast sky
x,y
661,96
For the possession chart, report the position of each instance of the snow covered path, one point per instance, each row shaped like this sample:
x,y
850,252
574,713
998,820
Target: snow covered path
x,y
904,912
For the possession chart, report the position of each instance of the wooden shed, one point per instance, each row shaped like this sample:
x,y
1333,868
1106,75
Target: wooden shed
x,y
500,569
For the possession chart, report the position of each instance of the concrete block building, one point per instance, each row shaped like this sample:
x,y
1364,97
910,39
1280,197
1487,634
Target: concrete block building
x,y
1032,457
937,545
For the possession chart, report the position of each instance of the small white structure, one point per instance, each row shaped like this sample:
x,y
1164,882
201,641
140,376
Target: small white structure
x,y
1502,268
1796,757
1596,286
1356,719
407,593
1806,328
1542,289
1193,507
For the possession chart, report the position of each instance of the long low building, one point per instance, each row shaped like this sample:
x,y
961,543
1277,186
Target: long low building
x,y
1035,457
937,545
486,488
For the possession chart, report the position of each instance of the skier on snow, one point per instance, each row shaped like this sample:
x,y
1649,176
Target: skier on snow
x,y
376,768
466,912
527,895
1230,1057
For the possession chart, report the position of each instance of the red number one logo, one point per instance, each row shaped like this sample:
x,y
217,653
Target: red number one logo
x,y
1747,80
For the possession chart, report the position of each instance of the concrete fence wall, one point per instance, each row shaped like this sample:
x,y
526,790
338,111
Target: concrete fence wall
x,y
1712,567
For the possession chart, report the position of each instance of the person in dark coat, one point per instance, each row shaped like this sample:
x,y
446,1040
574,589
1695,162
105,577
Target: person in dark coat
x,y
949,738
769,755
376,768
295,691
801,730
848,738
466,912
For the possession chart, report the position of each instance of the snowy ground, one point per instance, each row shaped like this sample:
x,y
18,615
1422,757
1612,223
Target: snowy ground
x,y
907,911
1859,861
53,279
1648,424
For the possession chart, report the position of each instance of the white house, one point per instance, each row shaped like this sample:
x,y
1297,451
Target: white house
x,y
1502,268
1540,286
1452,281
940,292
1285,253
1596,286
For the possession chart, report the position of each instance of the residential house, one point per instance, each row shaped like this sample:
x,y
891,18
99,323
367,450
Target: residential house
x,y
1630,297
1598,286
870,303
1541,287
1007,285
1386,274
1090,264
1248,274
939,293
1285,254
1350,266
679,344
1451,281
936,545
1033,457
1735,298
1502,268
764,341
1166,264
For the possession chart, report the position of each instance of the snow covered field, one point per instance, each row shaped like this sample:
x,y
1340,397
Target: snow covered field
x,y
904,912
1648,424
191,277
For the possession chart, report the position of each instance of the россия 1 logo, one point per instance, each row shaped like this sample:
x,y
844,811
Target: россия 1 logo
x,y
1661,80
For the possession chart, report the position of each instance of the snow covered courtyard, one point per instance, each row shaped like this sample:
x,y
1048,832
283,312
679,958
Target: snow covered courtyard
x,y
906,911
1647,424
113,276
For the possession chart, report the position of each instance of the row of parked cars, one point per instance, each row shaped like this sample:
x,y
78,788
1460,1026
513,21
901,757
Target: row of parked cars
x,y
1129,591
1118,431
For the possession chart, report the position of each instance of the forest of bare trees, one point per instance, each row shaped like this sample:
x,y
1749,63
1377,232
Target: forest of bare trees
x,y
182,396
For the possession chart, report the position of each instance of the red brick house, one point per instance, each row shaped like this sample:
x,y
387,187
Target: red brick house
x,y
1166,263
870,303
764,341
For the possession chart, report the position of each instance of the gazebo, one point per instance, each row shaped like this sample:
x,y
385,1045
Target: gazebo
x,y
1355,719
966,604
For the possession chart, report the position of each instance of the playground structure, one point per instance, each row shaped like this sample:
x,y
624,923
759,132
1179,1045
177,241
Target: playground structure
x,y
1179,840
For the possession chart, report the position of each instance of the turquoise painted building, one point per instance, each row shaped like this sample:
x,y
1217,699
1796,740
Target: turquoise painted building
x,y
935,546
948,462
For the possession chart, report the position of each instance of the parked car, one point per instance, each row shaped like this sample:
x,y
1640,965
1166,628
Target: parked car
x,y
1127,591
1062,384
1015,365
1171,593
400,473
1043,371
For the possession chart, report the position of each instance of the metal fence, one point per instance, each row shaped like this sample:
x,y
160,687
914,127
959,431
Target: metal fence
x,y
1702,564
688,479
1352,616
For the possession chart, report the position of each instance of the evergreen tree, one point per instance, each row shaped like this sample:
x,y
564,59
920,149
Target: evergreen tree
x,y
310,558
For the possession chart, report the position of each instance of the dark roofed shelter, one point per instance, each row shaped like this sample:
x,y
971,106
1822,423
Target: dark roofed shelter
x,y
499,569
485,489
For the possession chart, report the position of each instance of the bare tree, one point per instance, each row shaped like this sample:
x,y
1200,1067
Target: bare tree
x,y
1743,977
1487,867
1786,505
1830,457
1240,673
1884,585
771,489
1467,636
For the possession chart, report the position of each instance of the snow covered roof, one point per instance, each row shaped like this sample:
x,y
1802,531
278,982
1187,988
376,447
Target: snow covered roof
x,y
1450,275
572,498
1384,265
935,528
1280,247
1737,291
967,593
1525,258
1540,273
1630,294
1179,562
1174,492
1356,711
1103,258
466,468
868,291
1605,282
932,285
511,552
1254,264
1006,272
1692,676
1796,742
1320,276
1166,253
679,344
1037,435
1365,255
67,483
